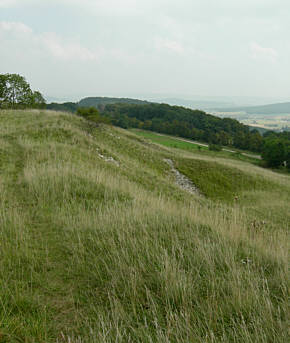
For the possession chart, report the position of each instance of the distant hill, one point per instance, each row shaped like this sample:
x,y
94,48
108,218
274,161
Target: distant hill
x,y
195,104
281,108
216,102
93,102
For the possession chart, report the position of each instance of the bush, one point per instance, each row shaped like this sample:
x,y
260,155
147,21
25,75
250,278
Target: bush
x,y
274,152
92,114
215,147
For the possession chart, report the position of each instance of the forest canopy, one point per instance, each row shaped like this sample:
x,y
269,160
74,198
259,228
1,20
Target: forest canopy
x,y
185,122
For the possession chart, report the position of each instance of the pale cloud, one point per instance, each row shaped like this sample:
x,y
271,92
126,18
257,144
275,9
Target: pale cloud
x,y
110,7
259,52
15,27
8,3
184,46
129,7
67,51
15,3
105,7
168,44
55,45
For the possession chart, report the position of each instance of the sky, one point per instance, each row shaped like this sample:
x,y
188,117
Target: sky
x,y
76,48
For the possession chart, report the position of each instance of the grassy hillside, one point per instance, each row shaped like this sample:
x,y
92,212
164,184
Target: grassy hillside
x,y
99,244
198,148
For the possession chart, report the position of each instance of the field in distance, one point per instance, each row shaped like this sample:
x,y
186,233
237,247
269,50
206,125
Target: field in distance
x,y
99,242
264,121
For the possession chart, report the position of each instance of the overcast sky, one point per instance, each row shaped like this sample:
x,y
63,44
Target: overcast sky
x,y
127,47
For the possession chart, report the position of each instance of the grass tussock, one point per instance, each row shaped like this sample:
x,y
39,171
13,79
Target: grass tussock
x,y
97,251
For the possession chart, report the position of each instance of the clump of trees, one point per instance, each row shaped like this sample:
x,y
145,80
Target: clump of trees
x,y
15,92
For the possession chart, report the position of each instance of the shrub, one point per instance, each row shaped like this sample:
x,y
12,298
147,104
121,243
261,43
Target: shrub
x,y
92,114
215,147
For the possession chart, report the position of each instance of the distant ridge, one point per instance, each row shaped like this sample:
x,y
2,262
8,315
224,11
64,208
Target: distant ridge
x,y
199,104
280,108
93,102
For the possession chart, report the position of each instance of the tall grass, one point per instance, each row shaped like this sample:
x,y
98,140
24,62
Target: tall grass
x,y
92,251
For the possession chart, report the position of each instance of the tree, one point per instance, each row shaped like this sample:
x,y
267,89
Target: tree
x,y
255,141
38,100
15,92
274,152
288,157
3,89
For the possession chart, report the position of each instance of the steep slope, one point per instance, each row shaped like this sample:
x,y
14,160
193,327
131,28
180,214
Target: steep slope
x,y
99,244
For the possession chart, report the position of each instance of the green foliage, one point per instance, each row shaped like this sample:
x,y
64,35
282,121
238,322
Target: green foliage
x,y
64,107
92,114
15,92
174,120
274,152
276,149
97,102
169,141
176,142
101,102
215,147
37,100
184,122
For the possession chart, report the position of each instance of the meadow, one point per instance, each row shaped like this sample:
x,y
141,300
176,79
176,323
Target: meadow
x,y
196,147
99,244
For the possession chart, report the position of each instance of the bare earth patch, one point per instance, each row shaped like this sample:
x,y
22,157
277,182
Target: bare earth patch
x,y
181,180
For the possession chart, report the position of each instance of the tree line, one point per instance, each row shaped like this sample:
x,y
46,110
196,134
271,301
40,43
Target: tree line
x,y
198,125
185,122
15,92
